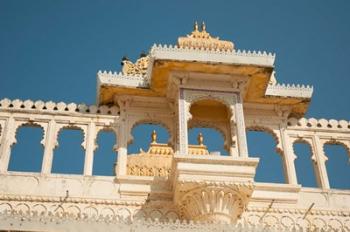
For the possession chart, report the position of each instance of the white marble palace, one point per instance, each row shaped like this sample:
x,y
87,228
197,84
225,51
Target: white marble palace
x,y
202,81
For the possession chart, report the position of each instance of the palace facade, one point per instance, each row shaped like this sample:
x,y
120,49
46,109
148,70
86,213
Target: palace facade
x,y
202,81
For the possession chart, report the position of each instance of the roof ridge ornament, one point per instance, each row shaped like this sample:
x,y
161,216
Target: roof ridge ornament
x,y
201,39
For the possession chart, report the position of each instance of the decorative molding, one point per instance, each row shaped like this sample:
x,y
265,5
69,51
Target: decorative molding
x,y
52,107
286,90
318,124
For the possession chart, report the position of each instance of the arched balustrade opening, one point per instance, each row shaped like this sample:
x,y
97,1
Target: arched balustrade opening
x,y
105,154
304,166
27,153
149,153
208,137
338,165
210,120
69,156
262,144
142,137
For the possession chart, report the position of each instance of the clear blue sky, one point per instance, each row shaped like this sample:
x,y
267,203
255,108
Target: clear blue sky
x,y
52,50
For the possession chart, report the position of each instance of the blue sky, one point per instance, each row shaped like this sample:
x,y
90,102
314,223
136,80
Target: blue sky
x,y
52,50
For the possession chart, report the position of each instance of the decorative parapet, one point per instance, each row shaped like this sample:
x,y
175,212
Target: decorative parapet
x,y
286,90
318,124
206,55
120,79
52,107
138,79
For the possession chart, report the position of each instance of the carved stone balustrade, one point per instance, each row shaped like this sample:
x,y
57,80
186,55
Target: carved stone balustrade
x,y
52,118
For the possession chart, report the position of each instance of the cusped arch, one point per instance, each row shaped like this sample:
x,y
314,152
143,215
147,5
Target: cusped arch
x,y
194,96
72,127
207,124
308,143
221,101
269,131
30,124
151,122
106,129
338,142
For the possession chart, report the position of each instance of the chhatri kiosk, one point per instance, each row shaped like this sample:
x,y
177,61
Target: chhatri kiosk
x,y
202,81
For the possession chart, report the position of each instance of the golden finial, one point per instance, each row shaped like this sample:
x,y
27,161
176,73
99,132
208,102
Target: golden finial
x,y
200,139
203,26
154,137
195,27
201,39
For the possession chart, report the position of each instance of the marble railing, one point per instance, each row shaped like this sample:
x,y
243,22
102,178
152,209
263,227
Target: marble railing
x,y
52,118
316,133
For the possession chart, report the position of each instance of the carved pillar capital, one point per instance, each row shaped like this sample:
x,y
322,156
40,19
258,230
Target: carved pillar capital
x,y
215,202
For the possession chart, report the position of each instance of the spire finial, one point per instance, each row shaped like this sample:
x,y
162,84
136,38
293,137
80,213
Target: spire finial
x,y
195,27
203,26
200,139
154,137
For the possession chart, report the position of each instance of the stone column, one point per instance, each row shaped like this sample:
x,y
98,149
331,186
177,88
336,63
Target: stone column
x,y
8,139
182,117
320,160
240,127
122,139
90,148
288,157
49,146
233,133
